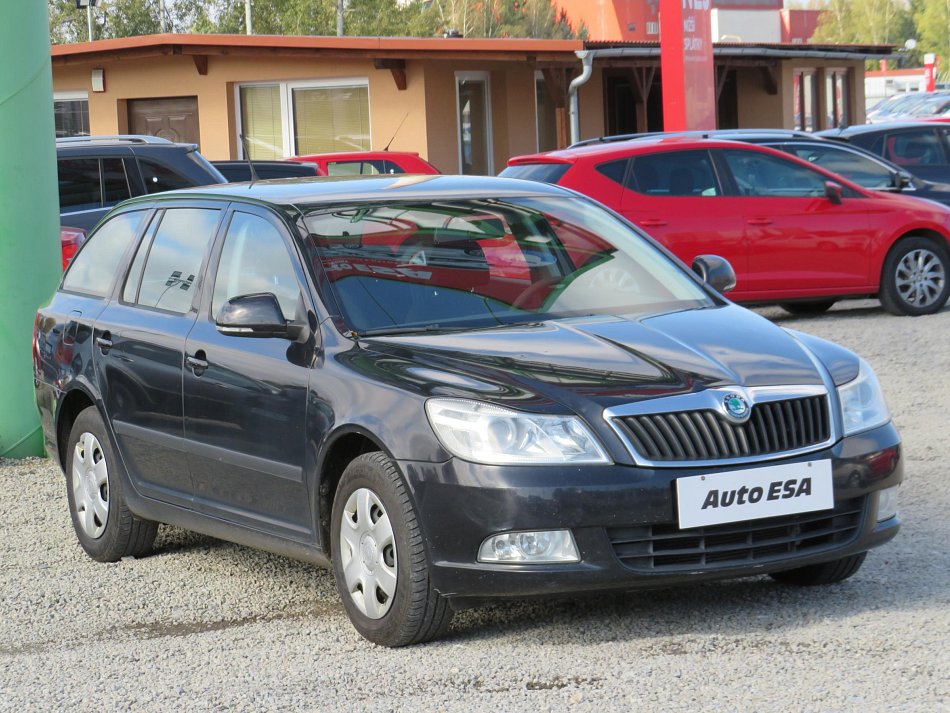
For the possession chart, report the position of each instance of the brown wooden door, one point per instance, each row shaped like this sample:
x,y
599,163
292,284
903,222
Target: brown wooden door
x,y
175,118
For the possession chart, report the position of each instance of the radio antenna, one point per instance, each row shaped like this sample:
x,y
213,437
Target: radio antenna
x,y
247,155
397,130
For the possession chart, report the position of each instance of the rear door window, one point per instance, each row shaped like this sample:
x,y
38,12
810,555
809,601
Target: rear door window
x,y
674,173
173,264
115,182
352,168
94,267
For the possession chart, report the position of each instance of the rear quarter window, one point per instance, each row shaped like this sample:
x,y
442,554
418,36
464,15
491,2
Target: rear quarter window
x,y
160,178
541,172
94,267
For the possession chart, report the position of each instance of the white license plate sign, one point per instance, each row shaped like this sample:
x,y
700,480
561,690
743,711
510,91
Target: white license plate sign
x,y
754,493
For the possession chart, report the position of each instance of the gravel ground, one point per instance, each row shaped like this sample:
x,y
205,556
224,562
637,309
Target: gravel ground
x,y
206,625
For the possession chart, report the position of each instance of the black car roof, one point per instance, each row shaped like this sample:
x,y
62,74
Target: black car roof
x,y
872,128
336,189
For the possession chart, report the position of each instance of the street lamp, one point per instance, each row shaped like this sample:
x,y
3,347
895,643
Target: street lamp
x,y
88,4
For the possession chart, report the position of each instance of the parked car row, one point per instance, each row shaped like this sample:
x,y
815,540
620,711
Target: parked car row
x,y
795,232
822,220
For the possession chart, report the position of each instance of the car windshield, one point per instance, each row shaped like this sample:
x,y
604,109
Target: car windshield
x,y
477,263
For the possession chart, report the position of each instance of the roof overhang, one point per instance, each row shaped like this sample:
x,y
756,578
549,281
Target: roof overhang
x,y
306,46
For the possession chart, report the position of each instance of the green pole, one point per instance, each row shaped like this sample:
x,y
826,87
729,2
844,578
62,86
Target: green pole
x,y
30,261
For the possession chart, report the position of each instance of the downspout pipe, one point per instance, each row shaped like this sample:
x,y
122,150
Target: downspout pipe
x,y
587,68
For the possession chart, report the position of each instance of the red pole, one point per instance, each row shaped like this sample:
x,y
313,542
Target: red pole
x,y
686,65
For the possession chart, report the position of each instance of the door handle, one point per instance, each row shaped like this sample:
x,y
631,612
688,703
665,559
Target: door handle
x,y
197,364
759,221
652,223
104,342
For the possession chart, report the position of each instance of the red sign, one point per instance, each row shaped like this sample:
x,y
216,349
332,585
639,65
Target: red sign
x,y
686,65
930,72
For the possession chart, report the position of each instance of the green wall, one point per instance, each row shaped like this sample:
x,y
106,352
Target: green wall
x,y
30,262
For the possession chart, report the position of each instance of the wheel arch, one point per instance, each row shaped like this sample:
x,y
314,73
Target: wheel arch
x,y
340,450
71,405
929,233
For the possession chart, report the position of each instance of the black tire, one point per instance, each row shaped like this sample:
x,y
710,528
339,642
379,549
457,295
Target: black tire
x,y
121,534
416,612
826,573
896,294
808,306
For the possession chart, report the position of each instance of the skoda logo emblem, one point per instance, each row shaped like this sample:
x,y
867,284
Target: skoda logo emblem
x,y
737,408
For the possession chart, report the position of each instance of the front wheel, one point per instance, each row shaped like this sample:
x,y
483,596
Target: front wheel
x,y
914,279
104,525
379,557
826,573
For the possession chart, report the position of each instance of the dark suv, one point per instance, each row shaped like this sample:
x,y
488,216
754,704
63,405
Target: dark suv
x,y
921,147
97,172
450,390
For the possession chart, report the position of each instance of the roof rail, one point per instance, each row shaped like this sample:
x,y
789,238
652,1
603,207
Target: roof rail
x,y
116,138
698,133
616,137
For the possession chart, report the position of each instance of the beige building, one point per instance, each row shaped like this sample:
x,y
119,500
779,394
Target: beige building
x,y
466,105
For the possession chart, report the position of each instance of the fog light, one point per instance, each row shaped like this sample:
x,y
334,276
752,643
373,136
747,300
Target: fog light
x,y
530,547
886,503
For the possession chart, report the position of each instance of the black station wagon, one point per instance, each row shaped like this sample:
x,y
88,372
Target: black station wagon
x,y
451,390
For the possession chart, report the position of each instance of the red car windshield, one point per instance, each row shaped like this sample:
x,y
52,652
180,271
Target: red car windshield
x,y
460,264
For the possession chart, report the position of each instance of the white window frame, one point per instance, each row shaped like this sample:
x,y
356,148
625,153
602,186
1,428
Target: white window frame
x,y
71,96
486,77
286,88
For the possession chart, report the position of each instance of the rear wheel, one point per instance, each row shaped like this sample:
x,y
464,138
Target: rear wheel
x,y
914,280
808,306
379,557
104,525
826,573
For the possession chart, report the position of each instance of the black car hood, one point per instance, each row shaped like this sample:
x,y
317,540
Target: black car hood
x,y
593,362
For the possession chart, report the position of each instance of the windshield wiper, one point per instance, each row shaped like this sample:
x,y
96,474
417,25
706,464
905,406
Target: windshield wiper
x,y
418,329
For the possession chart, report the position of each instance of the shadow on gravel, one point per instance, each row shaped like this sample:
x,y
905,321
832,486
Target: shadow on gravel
x,y
735,607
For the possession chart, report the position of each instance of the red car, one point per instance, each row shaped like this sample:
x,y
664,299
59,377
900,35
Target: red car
x,y
367,163
794,233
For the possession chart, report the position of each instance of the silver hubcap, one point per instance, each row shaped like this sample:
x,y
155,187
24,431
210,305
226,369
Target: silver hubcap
x,y
368,553
91,485
920,278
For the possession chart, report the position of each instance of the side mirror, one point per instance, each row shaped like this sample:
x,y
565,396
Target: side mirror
x,y
833,192
715,271
256,315
902,180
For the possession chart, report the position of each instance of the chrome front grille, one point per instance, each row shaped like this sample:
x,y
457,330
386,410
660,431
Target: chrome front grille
x,y
666,548
774,427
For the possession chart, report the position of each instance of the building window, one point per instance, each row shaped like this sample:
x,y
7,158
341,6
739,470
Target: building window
x,y
474,123
71,114
546,114
837,98
806,99
300,118
653,28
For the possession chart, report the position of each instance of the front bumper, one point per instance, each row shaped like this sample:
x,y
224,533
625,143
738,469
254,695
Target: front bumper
x,y
461,503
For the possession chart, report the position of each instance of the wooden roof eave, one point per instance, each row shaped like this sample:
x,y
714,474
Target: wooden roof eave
x,y
134,53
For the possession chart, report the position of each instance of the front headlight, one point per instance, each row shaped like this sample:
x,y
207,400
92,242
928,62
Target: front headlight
x,y
484,433
862,402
